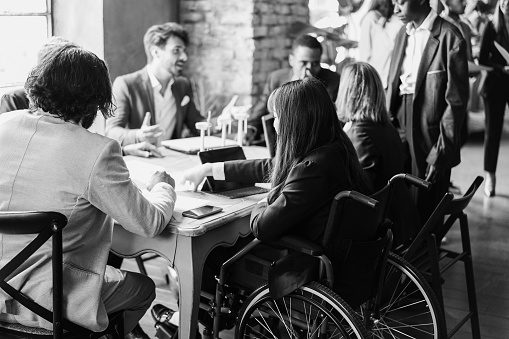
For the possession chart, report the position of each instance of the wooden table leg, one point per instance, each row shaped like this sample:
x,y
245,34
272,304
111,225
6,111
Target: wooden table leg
x,y
189,269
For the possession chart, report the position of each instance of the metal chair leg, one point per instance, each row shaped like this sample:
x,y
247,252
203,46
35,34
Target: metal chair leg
x,y
469,273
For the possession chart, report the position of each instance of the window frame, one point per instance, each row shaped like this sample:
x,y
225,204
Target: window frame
x,y
48,14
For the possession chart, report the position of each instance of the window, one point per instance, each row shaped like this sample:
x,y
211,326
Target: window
x,y
25,26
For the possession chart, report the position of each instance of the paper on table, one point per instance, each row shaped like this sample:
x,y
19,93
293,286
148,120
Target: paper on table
x,y
502,51
141,172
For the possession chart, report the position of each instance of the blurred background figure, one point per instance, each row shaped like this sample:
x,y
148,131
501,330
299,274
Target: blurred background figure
x,y
304,62
495,91
378,31
17,98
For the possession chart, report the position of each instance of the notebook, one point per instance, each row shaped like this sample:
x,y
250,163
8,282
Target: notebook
x,y
193,145
227,188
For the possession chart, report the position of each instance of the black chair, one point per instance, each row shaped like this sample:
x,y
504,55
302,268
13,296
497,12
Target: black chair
x,y
46,225
427,254
397,206
269,133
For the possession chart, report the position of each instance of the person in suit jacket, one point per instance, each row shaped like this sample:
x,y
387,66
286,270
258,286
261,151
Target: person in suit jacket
x,y
155,103
427,96
14,100
304,61
494,92
53,163
361,106
314,161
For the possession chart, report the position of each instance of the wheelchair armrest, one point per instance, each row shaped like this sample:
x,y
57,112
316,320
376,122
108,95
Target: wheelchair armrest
x,y
299,244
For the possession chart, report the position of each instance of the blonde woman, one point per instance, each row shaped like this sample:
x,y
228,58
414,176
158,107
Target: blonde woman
x,y
361,106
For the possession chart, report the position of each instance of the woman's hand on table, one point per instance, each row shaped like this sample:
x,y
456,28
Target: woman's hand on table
x,y
160,176
142,149
194,176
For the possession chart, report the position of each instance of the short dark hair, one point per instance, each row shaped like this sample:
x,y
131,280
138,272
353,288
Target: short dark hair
x,y
158,35
308,41
72,84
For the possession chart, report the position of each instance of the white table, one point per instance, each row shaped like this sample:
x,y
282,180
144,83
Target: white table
x,y
187,242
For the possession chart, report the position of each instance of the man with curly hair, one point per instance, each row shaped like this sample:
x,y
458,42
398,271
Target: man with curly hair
x,y
53,163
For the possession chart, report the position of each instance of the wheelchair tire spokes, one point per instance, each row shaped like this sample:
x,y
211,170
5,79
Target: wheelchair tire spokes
x,y
310,312
408,309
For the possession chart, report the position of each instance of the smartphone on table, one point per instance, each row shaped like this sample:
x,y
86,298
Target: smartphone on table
x,y
202,211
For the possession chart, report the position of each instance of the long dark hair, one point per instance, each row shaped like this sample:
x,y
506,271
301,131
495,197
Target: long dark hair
x,y
307,120
72,84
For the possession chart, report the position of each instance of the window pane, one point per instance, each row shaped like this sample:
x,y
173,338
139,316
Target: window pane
x,y
21,54
23,6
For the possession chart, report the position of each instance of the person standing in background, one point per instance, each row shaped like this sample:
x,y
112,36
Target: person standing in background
x,y
378,31
427,96
496,89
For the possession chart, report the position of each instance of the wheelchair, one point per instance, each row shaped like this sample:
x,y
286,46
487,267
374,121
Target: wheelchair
x,y
348,286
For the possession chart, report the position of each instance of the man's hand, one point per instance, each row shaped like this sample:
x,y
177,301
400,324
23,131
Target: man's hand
x,y
431,173
196,175
142,149
149,133
160,176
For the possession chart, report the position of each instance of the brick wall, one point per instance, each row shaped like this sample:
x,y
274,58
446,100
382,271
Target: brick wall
x,y
235,44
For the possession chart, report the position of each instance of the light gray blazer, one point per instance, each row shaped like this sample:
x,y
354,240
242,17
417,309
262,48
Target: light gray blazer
x,y
48,164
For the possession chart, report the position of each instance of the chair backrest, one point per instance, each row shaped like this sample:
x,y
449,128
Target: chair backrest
x,y
269,133
435,224
398,206
356,243
457,207
46,225
352,216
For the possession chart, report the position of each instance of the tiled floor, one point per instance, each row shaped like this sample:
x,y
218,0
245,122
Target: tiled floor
x,y
489,232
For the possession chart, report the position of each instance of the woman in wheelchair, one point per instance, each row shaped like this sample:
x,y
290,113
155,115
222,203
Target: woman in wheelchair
x,y
314,161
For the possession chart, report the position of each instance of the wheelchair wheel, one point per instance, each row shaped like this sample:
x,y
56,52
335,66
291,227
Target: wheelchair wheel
x,y
409,307
311,311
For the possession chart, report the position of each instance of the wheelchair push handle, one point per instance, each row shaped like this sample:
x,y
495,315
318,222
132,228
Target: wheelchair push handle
x,y
412,179
417,181
359,197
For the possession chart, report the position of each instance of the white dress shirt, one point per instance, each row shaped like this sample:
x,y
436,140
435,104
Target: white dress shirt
x,y
218,170
417,40
164,105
